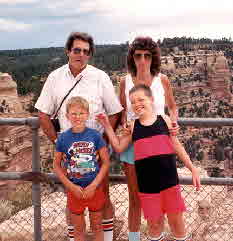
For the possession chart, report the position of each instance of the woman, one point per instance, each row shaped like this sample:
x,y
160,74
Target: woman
x,y
143,62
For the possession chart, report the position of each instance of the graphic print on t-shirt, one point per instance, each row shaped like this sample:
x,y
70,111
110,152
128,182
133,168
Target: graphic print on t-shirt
x,y
81,161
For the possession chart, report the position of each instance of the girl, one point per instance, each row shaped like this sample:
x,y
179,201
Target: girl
x,y
155,164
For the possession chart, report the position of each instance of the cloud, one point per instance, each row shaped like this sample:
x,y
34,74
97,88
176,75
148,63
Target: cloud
x,y
69,7
49,11
115,21
13,2
196,24
12,26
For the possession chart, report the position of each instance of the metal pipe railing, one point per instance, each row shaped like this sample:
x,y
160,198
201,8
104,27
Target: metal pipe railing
x,y
115,178
200,122
30,121
36,190
206,122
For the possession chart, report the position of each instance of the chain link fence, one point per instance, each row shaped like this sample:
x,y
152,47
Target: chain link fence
x,y
35,208
208,216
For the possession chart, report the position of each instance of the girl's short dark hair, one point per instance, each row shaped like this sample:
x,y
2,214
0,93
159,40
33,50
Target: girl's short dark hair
x,y
144,43
146,89
81,36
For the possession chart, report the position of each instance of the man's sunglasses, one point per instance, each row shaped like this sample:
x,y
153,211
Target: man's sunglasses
x,y
138,56
79,50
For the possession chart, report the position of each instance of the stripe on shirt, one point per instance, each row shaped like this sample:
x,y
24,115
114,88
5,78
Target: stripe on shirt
x,y
146,147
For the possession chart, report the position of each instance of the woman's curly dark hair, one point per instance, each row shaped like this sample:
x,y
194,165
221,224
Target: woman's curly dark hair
x,y
144,43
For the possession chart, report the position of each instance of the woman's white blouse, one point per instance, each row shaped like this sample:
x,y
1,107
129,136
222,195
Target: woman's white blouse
x,y
158,93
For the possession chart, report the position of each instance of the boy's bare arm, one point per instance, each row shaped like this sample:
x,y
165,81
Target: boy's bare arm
x,y
105,159
105,164
63,178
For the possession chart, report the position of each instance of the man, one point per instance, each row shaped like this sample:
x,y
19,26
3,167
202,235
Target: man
x,y
95,86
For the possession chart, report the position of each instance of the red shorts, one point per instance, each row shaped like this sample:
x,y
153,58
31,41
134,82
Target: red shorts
x,y
154,205
94,204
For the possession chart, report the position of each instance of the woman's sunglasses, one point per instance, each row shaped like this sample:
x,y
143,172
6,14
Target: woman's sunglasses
x,y
147,56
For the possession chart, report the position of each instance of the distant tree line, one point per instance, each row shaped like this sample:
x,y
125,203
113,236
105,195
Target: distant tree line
x,y
28,66
189,43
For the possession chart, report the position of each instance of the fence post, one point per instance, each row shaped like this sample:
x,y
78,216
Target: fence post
x,y
36,191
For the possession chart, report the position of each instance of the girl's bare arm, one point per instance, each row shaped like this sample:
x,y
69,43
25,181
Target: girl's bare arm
x,y
118,143
183,156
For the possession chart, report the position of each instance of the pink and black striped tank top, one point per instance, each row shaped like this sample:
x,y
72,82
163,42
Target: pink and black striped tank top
x,y
155,159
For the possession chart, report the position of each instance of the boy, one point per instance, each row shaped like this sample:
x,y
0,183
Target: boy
x,y
155,164
81,174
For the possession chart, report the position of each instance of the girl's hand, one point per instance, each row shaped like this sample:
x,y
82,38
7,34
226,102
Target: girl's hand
x,y
89,191
196,179
103,119
126,130
174,130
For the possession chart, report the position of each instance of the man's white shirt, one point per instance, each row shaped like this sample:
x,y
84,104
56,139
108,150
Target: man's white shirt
x,y
95,86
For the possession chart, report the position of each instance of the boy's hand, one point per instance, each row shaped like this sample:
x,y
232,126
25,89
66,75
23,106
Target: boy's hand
x,y
89,191
77,191
103,119
196,179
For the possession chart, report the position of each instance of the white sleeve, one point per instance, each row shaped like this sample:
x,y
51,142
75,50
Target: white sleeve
x,y
46,102
110,100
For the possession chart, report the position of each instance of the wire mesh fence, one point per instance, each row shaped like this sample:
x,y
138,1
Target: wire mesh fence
x,y
208,215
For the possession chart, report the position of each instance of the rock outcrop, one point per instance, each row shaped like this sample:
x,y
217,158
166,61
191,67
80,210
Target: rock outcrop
x,y
15,141
219,77
9,102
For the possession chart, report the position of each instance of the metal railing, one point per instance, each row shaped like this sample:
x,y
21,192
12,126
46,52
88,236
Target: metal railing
x,y
118,195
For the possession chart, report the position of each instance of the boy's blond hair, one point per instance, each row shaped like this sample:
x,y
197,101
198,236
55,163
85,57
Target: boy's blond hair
x,y
77,101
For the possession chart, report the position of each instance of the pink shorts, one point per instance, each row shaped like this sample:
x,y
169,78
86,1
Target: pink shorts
x,y
154,205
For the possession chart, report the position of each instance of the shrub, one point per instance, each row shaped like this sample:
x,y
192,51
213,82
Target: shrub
x,y
21,198
6,209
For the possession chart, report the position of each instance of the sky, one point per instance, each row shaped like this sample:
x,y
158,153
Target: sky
x,y
47,23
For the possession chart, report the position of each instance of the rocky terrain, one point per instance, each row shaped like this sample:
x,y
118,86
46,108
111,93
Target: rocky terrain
x,y
15,141
203,87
